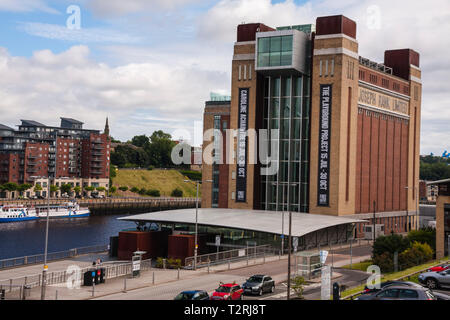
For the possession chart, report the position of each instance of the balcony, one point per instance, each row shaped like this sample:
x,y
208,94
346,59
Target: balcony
x,y
97,160
96,172
96,153
31,163
96,166
97,147
30,156
97,141
31,170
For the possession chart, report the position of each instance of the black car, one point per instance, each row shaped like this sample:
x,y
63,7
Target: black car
x,y
385,284
258,284
193,295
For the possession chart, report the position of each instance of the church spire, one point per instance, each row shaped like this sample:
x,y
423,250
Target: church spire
x,y
106,127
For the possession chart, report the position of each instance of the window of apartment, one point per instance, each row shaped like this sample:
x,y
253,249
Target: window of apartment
x,y
373,78
361,74
385,83
396,86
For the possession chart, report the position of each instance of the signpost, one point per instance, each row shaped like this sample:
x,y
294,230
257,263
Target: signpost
x,y
218,246
295,243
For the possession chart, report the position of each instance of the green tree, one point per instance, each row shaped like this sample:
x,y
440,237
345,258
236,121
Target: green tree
x,y
390,244
89,189
24,187
160,149
297,284
140,141
424,235
10,186
112,189
123,188
418,254
37,188
153,193
77,190
53,189
66,188
134,190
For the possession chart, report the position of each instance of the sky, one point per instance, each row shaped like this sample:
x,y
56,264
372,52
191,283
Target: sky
x,y
151,64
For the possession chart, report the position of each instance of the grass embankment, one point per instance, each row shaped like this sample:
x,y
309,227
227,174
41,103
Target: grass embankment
x,y
390,276
163,180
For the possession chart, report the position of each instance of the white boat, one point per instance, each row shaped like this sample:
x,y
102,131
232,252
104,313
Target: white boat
x,y
68,210
14,213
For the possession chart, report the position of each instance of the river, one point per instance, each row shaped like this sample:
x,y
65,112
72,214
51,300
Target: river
x,y
26,238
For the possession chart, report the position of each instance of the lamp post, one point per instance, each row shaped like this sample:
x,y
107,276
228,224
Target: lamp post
x,y
290,233
196,221
416,190
44,272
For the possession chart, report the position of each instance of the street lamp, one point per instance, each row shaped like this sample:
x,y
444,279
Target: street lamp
x,y
44,272
290,184
196,221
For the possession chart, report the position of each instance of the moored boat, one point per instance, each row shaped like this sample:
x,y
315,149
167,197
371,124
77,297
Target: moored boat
x,y
68,210
14,213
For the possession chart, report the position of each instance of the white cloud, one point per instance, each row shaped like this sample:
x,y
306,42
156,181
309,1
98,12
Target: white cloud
x,y
47,86
82,35
419,25
114,8
26,6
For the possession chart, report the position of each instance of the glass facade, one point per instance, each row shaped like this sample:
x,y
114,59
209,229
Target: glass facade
x,y
287,108
275,51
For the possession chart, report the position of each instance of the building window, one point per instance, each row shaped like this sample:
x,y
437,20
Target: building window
x,y
275,51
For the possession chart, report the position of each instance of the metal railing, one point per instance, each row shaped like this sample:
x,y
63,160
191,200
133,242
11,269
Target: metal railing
x,y
39,258
231,256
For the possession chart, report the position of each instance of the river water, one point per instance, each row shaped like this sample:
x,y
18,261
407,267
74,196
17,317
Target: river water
x,y
26,238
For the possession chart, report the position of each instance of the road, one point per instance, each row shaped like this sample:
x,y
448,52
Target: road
x,y
209,282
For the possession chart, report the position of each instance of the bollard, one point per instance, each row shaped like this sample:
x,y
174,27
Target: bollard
x,y
178,275
125,285
229,264
10,285
208,266
153,278
93,287
56,295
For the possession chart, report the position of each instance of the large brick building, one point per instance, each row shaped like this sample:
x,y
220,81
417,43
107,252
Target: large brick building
x,y
67,154
348,140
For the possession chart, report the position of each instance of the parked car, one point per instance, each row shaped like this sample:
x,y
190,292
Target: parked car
x,y
439,268
400,293
193,295
434,280
259,284
390,283
227,291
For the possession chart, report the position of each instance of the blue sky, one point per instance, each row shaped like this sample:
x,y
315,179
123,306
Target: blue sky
x,y
151,64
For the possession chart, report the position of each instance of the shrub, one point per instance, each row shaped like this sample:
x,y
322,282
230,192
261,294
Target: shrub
x,y
177,193
123,188
192,175
426,235
153,193
385,261
112,190
151,167
419,253
297,285
390,244
143,191
134,190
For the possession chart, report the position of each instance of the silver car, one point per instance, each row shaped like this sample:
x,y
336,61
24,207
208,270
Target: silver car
x,y
434,280
400,293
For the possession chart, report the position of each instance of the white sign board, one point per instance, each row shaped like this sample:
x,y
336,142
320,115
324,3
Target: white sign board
x,y
217,241
137,265
323,256
325,292
295,243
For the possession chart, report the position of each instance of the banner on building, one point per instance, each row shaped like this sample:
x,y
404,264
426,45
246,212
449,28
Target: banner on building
x,y
323,192
241,176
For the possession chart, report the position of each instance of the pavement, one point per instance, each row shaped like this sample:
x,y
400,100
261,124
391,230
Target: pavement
x,y
158,284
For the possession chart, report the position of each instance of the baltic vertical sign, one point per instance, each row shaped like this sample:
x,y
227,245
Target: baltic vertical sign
x,y
323,191
241,179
